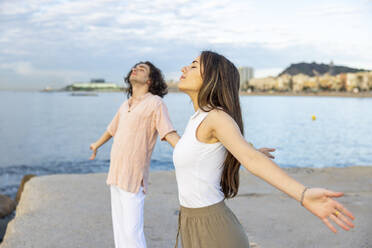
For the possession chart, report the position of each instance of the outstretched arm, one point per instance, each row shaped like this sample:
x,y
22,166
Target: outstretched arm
x,y
320,202
102,140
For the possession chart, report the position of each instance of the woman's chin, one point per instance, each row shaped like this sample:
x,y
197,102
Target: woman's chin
x,y
186,88
181,87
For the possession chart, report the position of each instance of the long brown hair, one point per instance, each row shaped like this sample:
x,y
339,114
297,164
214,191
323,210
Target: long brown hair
x,y
220,89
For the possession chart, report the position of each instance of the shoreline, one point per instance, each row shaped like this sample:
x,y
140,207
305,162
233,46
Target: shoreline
x,y
367,94
68,217
320,94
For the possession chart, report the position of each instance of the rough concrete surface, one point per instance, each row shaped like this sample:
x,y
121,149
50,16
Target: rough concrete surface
x,y
73,210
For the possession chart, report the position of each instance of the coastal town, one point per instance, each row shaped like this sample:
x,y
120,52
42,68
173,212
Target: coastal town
x,y
349,82
308,78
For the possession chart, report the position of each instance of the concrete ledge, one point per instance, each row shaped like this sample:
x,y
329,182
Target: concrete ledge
x,y
73,210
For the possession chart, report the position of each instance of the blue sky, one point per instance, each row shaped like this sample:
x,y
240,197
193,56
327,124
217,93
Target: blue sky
x,y
55,43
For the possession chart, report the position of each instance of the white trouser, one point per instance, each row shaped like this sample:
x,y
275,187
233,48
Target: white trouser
x,y
127,218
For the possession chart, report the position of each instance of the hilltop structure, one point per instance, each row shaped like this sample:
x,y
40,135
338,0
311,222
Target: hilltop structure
x,y
314,69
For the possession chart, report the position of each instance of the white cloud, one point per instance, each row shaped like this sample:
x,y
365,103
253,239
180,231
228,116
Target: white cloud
x,y
258,73
335,9
222,22
113,30
25,68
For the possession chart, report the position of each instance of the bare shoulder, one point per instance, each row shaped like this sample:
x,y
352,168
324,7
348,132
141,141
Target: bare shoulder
x,y
219,116
222,125
218,119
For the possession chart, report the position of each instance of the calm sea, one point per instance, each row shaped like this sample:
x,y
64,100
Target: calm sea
x,y
49,133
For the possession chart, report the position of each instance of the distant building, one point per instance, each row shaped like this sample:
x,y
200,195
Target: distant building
x,y
331,70
94,84
97,80
246,74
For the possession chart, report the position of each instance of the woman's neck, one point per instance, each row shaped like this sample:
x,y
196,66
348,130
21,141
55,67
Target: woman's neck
x,y
194,99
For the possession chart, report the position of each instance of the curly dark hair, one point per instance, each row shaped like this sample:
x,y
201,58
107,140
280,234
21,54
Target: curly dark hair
x,y
157,86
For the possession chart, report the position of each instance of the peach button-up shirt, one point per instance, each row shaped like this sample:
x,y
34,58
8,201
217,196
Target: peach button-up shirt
x,y
135,128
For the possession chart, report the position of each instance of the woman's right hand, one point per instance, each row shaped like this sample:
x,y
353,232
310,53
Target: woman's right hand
x,y
94,148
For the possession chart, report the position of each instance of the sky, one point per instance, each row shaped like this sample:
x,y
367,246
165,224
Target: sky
x,y
56,43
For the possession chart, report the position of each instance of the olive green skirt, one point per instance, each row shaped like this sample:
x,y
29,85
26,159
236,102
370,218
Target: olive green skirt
x,y
212,226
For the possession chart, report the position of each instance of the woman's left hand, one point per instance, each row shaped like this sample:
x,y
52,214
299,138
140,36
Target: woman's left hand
x,y
320,202
266,151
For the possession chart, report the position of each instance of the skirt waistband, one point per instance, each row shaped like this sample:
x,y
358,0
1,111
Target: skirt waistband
x,y
212,209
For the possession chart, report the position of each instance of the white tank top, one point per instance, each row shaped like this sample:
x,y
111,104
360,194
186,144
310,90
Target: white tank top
x,y
198,167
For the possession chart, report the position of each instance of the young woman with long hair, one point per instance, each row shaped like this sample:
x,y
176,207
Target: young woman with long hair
x,y
208,156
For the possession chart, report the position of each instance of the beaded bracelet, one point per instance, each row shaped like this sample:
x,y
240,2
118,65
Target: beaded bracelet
x,y
302,196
